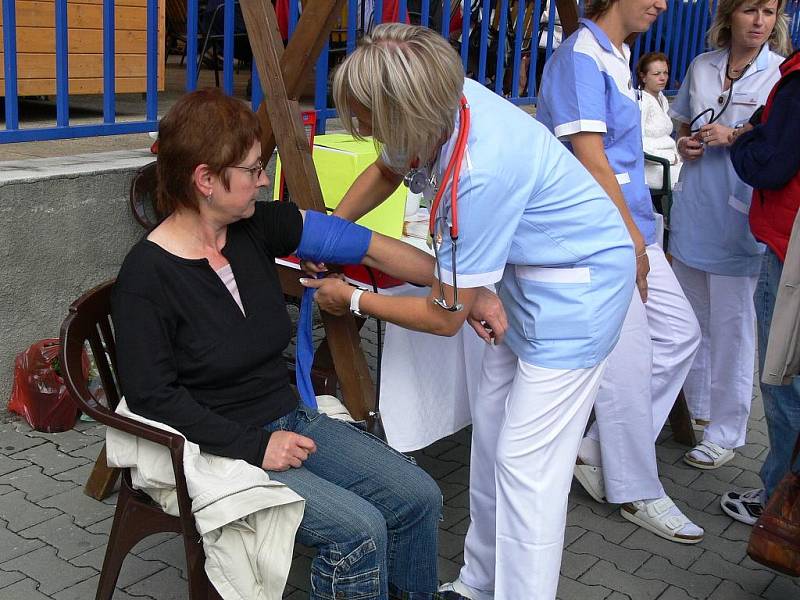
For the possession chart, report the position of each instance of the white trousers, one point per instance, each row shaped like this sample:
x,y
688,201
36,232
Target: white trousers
x,y
719,386
527,424
645,372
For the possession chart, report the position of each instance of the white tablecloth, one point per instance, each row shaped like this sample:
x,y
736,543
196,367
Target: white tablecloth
x,y
426,381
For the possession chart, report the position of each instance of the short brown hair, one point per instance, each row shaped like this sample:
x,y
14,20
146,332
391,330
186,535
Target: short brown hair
x,y
646,59
202,127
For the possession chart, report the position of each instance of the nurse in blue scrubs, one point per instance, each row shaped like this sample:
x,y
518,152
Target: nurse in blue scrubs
x,y
530,221
588,100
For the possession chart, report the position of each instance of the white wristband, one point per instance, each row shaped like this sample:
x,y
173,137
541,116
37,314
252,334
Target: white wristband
x,y
354,302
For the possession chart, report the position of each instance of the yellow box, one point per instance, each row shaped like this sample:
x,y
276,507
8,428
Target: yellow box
x,y
339,159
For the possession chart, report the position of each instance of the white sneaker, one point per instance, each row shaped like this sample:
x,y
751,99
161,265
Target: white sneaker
x,y
745,507
663,518
462,589
591,478
708,455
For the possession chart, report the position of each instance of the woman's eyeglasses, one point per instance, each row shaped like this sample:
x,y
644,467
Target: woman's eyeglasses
x,y
254,171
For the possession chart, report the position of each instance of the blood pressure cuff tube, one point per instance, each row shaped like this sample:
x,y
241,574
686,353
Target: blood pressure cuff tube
x,y
325,239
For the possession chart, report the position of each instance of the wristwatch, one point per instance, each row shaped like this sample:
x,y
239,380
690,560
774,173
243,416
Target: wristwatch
x,y
354,302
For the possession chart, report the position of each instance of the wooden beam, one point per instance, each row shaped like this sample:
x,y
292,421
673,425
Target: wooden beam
x,y
680,420
102,478
568,15
283,114
301,54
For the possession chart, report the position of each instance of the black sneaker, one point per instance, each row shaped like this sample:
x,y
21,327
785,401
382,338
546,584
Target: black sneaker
x,y
745,507
449,595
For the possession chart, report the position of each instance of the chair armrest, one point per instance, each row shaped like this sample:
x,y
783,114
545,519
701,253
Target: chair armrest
x,y
666,184
173,441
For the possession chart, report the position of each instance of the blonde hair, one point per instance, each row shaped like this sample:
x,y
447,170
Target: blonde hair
x,y
719,34
410,80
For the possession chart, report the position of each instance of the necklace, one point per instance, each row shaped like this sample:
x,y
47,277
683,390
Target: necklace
x,y
739,73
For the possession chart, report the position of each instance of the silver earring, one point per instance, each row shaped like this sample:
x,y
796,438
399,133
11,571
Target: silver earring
x,y
209,199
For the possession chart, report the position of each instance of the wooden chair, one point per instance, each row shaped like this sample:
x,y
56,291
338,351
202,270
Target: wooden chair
x,y
137,516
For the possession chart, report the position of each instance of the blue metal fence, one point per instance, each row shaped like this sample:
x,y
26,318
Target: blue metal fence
x,y
502,43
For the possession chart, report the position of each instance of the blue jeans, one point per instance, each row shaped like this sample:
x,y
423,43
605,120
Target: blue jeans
x,y
371,513
781,402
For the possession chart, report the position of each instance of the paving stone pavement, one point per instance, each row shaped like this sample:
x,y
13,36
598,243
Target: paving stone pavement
x,y
52,536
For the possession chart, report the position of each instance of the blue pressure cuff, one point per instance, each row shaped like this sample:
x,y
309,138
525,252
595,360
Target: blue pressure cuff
x,y
332,239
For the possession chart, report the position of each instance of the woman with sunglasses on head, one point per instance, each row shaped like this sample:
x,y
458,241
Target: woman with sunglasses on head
x,y
588,100
512,208
201,328
715,256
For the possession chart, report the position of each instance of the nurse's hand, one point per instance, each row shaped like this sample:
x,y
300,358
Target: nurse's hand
x,y
311,268
285,450
333,294
488,317
690,148
642,263
715,134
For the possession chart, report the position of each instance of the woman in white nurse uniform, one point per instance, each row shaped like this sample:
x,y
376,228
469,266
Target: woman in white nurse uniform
x,y
715,257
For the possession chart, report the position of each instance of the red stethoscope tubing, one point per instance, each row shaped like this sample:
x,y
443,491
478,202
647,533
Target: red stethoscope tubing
x,y
454,169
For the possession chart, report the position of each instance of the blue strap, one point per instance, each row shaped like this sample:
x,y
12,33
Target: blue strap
x,y
325,239
304,352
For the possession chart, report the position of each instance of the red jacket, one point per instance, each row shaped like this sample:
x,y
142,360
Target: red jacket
x,y
772,212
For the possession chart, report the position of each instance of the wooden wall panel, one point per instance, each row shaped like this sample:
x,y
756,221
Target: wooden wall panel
x,y
36,46
45,87
41,40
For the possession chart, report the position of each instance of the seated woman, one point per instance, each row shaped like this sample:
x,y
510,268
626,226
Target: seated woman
x,y
652,71
201,327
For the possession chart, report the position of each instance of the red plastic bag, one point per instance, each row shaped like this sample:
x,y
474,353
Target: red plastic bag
x,y
39,393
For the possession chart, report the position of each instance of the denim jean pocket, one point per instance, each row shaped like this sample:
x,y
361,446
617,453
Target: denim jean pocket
x,y
361,427
339,573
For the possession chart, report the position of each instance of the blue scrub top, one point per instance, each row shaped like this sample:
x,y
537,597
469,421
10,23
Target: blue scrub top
x,y
532,218
586,87
709,229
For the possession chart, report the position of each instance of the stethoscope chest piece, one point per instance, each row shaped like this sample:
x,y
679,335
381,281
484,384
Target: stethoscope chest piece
x,y
416,180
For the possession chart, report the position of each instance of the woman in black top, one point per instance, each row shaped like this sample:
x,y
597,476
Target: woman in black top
x,y
201,327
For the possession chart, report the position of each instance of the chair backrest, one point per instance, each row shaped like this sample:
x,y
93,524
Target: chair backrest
x,y
142,196
89,323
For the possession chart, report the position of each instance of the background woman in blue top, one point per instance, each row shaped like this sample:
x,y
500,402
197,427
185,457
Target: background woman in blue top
x,y
533,222
588,100
716,258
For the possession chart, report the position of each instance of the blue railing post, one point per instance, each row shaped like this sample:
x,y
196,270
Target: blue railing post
x,y
62,64
191,44
466,22
499,71
109,66
485,18
227,47
152,60
426,13
10,64
321,88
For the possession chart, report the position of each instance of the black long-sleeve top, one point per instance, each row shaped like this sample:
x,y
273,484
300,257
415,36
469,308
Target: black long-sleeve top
x,y
187,355
769,156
